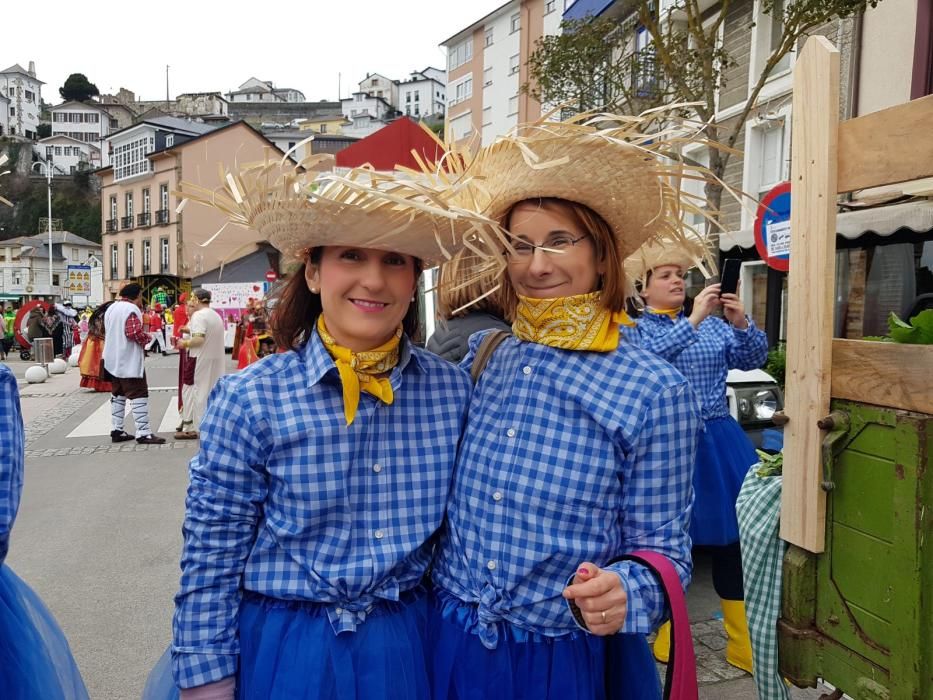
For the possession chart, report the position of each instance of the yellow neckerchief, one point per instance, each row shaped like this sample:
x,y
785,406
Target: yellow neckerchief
x,y
672,314
358,370
571,323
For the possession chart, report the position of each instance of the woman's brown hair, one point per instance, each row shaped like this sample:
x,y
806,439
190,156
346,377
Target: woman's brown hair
x,y
612,283
295,309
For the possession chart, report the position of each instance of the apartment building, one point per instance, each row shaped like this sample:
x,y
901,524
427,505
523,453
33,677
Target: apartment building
x,y
23,92
86,123
487,65
423,94
144,238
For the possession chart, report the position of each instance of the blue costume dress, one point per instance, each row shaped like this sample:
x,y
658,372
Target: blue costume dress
x,y
567,457
35,660
705,355
306,540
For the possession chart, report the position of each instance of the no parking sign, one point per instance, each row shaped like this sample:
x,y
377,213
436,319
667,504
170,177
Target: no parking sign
x,y
772,227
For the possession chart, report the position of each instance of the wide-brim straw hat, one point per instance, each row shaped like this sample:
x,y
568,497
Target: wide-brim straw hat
x,y
297,208
686,253
627,169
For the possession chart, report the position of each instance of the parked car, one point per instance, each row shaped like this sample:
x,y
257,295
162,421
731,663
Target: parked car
x,y
753,398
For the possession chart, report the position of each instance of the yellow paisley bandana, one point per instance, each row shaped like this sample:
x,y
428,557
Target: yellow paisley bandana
x,y
672,314
358,370
571,323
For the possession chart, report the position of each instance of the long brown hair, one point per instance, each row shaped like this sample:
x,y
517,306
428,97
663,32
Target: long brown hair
x,y
612,283
295,309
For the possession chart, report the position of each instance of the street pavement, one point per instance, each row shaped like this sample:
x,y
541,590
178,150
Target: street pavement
x,y
98,537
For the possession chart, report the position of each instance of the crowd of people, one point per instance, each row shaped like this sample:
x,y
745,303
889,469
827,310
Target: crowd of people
x,y
367,519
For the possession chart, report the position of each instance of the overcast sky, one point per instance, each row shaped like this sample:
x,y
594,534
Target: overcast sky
x,y
216,46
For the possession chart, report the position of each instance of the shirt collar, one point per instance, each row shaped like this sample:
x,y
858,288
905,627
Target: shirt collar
x,y
318,361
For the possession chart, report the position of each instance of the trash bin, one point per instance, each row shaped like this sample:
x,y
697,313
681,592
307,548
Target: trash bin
x,y
43,351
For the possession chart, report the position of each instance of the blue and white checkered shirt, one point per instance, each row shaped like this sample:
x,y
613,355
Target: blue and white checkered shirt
x,y
567,457
12,440
288,501
704,355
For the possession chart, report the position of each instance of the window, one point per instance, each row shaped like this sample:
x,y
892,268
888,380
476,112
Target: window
x,y
114,274
487,36
147,256
461,126
460,54
462,91
513,105
113,207
408,96
417,96
163,196
771,161
323,129
514,64
516,22
163,255
146,201
129,203
170,140
58,150
129,159
550,6
55,280
129,260
487,76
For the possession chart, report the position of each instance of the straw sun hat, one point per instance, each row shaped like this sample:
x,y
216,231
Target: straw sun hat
x,y
296,208
685,253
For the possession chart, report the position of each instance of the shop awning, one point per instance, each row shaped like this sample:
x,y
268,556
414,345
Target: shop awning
x,y
10,297
883,221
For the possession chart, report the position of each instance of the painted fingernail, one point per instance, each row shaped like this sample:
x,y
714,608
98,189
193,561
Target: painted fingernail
x,y
583,570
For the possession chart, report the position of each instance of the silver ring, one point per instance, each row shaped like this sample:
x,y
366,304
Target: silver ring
x,y
603,613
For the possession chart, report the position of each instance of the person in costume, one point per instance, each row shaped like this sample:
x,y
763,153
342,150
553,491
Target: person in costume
x,y
205,346
578,447
35,659
704,348
90,361
323,470
179,327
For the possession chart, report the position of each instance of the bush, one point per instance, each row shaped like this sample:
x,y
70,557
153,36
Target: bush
x,y
776,365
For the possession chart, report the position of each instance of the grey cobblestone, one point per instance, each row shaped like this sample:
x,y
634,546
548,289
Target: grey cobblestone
x,y
99,449
50,419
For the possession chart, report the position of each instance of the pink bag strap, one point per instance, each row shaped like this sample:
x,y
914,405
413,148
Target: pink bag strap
x,y
681,680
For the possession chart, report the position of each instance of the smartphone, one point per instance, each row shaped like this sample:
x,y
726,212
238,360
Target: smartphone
x,y
729,279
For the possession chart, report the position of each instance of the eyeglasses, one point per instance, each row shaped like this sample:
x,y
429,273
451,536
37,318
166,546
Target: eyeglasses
x,y
523,251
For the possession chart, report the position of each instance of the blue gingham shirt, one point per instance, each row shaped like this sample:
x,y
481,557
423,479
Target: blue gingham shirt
x,y
567,457
288,501
12,439
704,355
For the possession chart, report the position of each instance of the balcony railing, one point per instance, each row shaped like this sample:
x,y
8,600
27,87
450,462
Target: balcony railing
x,y
126,222
142,219
111,225
644,77
161,217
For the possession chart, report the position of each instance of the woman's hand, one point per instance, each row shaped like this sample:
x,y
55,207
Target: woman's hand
x,y
704,304
600,597
734,311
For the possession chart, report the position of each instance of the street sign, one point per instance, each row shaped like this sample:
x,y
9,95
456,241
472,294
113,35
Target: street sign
x,y
772,227
271,276
79,279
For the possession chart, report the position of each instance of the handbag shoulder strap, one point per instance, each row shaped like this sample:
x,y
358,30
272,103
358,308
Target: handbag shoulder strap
x,y
681,680
486,348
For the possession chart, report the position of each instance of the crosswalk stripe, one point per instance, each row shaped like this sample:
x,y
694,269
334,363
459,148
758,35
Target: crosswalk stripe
x,y
171,417
98,423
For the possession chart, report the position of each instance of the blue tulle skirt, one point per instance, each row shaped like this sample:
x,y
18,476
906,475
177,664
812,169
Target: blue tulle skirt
x,y
724,456
288,651
35,660
526,665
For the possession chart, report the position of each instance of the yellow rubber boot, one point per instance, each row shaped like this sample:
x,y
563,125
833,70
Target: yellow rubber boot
x,y
662,643
739,646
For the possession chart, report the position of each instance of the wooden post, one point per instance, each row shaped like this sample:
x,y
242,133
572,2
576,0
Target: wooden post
x,y
810,290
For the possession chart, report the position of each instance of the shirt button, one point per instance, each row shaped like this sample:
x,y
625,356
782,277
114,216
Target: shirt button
x,y
491,565
339,611
510,432
377,467
497,496
379,534
526,370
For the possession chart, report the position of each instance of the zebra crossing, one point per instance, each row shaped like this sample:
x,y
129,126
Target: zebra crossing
x,y
163,401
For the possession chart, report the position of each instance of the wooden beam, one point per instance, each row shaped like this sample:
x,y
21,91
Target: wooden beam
x,y
883,374
883,148
810,286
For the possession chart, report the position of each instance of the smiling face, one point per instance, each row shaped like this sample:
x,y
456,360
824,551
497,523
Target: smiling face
x,y
548,275
665,288
365,293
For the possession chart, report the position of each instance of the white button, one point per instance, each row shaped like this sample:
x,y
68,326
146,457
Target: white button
x,y
491,565
339,611
526,370
510,432
497,496
377,467
379,534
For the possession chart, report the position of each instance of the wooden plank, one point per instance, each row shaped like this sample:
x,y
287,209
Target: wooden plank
x,y
810,290
883,374
883,147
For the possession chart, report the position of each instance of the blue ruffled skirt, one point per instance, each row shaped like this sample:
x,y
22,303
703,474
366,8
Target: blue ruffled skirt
x,y
724,455
529,666
288,651
35,659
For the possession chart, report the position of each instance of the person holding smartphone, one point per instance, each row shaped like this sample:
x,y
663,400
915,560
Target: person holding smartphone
x,y
704,348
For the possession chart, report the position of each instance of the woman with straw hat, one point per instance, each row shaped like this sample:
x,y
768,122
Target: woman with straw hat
x,y
704,348
578,447
323,470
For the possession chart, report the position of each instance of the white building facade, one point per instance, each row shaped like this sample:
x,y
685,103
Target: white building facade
x,y
86,123
423,94
24,265
68,155
380,86
24,92
255,90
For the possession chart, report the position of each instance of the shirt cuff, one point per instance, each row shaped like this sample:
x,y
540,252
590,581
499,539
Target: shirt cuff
x,y
744,331
194,669
641,613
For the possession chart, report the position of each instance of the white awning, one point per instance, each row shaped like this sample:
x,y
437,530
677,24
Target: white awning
x,y
916,216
